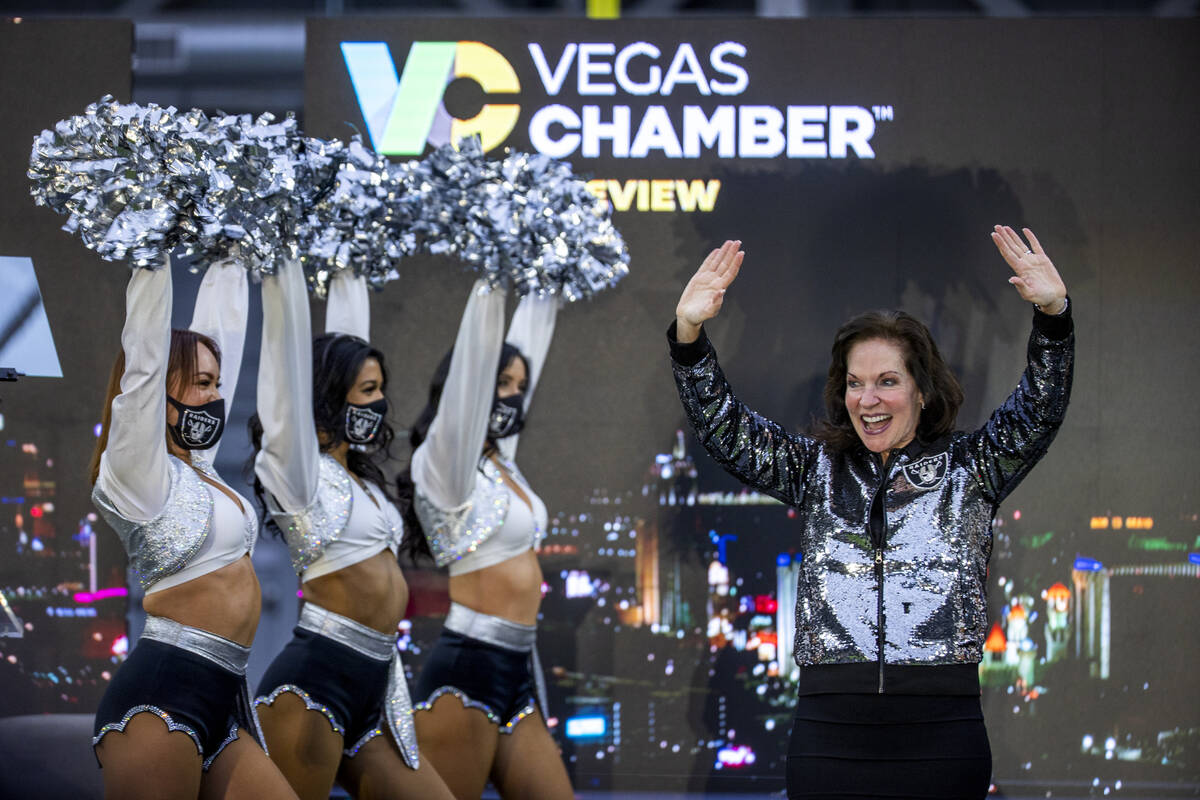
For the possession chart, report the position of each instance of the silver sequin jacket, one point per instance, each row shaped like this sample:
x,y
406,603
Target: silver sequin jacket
x,y
882,603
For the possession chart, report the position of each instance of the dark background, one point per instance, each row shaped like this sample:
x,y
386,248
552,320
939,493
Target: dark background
x,y
51,70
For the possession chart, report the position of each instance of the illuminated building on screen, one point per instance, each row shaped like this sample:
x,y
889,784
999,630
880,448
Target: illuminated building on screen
x,y
1058,621
61,610
787,576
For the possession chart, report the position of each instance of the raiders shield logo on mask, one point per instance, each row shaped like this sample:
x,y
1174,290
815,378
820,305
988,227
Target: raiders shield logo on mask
x,y
199,428
928,473
507,416
362,423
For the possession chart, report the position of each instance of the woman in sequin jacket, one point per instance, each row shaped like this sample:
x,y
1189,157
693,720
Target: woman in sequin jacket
x,y
895,511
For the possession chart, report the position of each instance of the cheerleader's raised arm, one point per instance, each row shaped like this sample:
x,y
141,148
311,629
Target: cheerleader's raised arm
x,y
531,331
444,466
287,465
133,467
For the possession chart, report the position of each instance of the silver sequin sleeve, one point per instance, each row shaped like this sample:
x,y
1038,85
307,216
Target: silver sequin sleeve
x,y
755,450
1019,432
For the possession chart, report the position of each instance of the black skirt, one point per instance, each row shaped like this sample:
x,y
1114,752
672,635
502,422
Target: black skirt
x,y
882,745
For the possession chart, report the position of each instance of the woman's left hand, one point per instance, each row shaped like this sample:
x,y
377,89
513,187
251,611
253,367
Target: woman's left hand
x,y
1036,279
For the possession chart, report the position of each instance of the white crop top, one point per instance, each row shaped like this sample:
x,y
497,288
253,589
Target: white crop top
x,y
225,543
370,530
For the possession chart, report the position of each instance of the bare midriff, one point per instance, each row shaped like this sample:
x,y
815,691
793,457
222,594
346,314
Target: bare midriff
x,y
371,592
226,602
511,589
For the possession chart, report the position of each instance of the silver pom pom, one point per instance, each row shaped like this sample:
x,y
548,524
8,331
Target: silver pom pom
x,y
524,222
354,225
138,182
105,170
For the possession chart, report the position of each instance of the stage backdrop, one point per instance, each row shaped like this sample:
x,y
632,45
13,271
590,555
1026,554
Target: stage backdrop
x,y
862,163
62,573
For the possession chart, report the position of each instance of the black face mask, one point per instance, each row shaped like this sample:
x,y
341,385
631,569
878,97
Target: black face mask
x,y
363,422
508,416
198,427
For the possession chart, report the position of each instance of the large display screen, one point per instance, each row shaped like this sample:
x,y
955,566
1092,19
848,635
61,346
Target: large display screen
x,y
862,163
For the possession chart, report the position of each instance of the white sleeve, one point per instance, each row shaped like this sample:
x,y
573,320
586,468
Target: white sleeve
x,y
445,463
348,308
222,306
133,467
531,331
289,462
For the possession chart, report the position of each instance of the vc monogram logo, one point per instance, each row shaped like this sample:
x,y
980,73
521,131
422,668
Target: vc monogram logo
x,y
405,111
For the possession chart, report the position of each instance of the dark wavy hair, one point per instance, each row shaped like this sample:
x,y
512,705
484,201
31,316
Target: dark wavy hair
x,y
337,360
939,387
414,545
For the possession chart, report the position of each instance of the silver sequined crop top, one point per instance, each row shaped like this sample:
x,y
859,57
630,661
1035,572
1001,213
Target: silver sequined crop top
x,y
166,545
340,527
491,527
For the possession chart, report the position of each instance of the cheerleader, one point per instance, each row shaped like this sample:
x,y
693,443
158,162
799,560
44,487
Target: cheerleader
x,y
481,710
176,720
334,703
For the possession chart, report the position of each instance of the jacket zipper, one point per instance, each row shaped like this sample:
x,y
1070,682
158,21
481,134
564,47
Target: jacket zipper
x,y
879,606
880,544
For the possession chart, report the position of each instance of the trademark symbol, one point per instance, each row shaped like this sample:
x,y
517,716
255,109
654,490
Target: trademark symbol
x,y
882,113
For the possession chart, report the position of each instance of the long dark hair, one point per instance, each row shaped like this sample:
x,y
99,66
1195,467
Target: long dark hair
x,y
937,384
337,360
181,368
414,545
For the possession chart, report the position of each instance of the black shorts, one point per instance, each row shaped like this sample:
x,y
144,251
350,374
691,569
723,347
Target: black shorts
x,y
187,691
346,686
494,680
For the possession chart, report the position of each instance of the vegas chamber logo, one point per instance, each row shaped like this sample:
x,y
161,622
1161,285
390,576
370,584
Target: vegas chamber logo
x,y
405,111
691,113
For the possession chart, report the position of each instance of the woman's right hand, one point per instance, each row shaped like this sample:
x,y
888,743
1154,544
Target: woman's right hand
x,y
705,292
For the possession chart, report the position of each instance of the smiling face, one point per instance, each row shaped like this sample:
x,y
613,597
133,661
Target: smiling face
x,y
203,387
881,396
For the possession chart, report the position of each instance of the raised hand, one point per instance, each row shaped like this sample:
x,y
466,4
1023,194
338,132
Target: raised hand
x,y
705,292
1036,279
